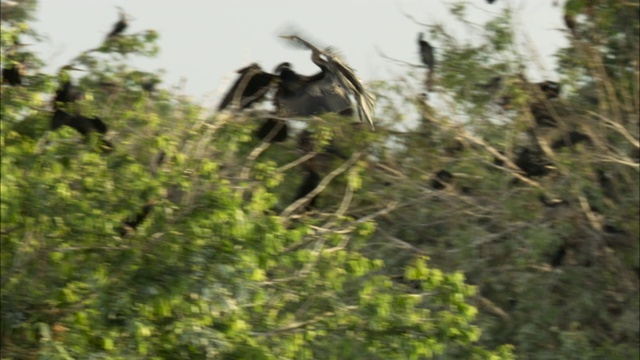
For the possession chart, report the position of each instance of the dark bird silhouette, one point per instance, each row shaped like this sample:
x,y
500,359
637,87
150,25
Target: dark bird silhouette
x,y
428,59
558,258
13,75
542,115
426,52
327,91
441,179
251,86
570,139
493,85
310,182
66,92
550,89
279,127
570,22
132,223
120,26
82,124
300,95
533,162
491,1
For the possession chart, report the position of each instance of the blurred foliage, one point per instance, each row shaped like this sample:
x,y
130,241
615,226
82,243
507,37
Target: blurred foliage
x,y
178,241
502,221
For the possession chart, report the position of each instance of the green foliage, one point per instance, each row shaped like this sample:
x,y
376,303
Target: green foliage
x,y
181,242
173,245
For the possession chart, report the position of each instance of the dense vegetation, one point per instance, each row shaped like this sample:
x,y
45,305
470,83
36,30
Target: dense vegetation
x,y
504,224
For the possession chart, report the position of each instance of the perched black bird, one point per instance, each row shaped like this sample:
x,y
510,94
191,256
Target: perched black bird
x,y
491,1
570,139
428,58
66,92
570,22
542,116
120,26
300,95
441,179
533,162
558,258
13,75
327,91
426,52
550,89
82,124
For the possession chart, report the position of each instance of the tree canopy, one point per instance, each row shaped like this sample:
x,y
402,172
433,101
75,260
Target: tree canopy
x,y
503,223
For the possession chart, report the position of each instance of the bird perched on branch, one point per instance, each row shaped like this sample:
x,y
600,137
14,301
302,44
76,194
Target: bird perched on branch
x,y
329,89
428,58
14,73
300,95
426,52
82,124
66,92
120,26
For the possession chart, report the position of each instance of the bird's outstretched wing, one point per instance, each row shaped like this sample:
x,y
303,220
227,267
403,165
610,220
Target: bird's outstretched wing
x,y
365,101
251,86
338,81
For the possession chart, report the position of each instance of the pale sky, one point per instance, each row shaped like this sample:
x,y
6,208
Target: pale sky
x,y
205,41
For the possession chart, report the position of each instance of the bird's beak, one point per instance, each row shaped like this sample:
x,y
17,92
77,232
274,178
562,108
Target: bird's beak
x,y
74,68
288,37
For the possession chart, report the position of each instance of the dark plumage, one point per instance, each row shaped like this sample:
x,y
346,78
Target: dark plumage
x,y
280,134
533,162
82,124
132,224
550,89
310,182
120,26
300,95
558,258
441,179
66,92
542,116
570,139
251,86
327,91
13,75
570,22
426,52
